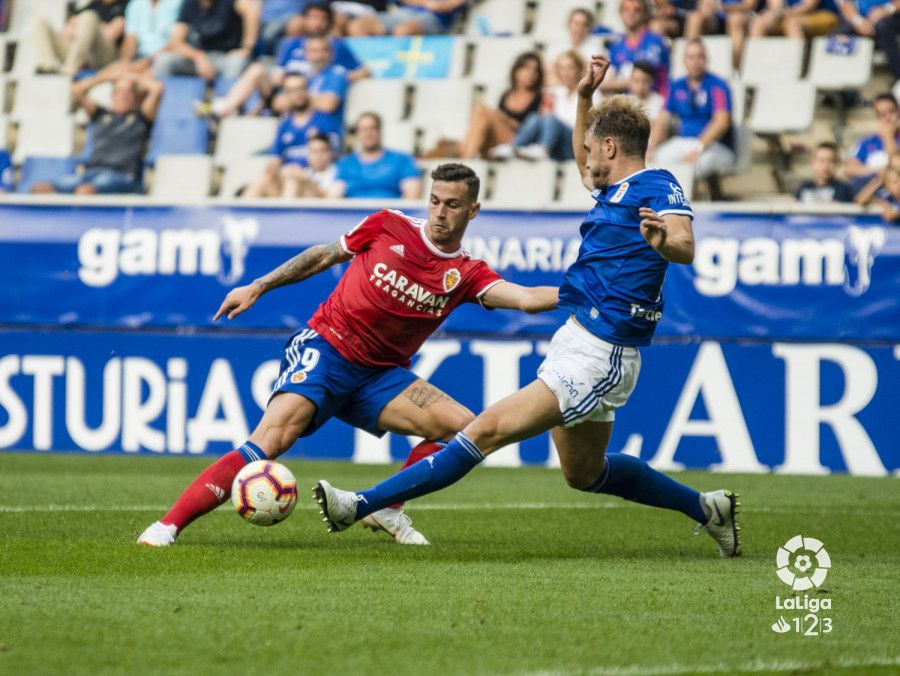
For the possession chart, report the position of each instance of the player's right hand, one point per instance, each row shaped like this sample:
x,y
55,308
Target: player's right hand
x,y
596,72
238,301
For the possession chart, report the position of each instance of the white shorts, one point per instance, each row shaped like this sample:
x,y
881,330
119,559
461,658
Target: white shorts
x,y
590,377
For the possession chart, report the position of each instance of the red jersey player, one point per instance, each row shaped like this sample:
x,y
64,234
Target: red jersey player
x,y
352,359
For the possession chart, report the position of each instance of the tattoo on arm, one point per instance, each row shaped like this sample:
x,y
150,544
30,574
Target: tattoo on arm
x,y
303,265
424,395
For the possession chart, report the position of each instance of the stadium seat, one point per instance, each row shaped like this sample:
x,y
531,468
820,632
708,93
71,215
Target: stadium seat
x,y
480,167
718,56
385,97
573,194
520,183
768,60
177,136
4,132
743,149
738,101
780,107
684,174
44,135
494,56
178,97
399,136
492,91
182,177
43,170
551,17
497,17
223,85
609,16
23,11
238,173
832,69
42,95
242,137
442,109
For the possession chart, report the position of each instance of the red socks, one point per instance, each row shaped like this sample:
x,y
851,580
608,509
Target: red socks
x,y
208,491
423,450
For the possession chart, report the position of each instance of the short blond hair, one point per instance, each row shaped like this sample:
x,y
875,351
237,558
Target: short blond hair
x,y
624,119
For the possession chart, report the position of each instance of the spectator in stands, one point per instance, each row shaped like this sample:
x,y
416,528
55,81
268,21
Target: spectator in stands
x,y
872,152
492,127
318,20
670,16
700,103
877,19
580,28
314,178
210,38
119,133
547,133
347,10
640,85
306,54
825,187
279,18
795,18
373,171
718,16
90,38
410,17
6,173
638,43
885,193
148,27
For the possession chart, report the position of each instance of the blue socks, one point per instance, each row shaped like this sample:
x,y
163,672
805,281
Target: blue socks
x,y
251,452
633,479
430,474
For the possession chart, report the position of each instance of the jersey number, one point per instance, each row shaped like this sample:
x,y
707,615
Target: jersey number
x,y
309,359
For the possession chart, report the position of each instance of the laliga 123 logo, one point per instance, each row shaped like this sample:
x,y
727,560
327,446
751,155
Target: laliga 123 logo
x,y
802,563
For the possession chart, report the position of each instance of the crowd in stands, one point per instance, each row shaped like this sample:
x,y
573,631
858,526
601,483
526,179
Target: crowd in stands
x,y
290,60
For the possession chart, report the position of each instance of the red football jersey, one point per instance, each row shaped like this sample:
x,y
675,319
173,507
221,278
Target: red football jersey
x,y
396,291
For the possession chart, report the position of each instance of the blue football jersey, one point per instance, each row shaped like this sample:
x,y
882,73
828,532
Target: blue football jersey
x,y
614,288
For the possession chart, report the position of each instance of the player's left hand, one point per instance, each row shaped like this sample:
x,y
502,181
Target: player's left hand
x,y
596,72
653,227
239,300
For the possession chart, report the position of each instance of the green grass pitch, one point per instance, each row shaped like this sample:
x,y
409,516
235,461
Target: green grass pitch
x,y
524,576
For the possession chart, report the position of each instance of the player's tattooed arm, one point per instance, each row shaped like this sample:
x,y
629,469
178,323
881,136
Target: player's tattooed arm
x,y
305,264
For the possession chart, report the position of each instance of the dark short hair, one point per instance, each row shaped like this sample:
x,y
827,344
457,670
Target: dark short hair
x,y
622,118
520,61
645,67
587,13
886,96
454,172
368,113
321,7
295,73
319,137
829,145
324,38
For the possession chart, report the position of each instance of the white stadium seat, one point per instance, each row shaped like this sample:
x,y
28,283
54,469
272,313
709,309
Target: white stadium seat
x,y
182,176
492,91
385,97
609,16
24,11
480,167
4,132
738,101
441,108
493,17
718,56
840,71
495,56
42,95
520,183
45,136
399,136
780,107
768,60
573,195
238,173
684,174
242,137
551,17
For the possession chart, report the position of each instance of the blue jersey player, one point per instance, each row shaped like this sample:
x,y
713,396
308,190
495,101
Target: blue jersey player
x,y
640,224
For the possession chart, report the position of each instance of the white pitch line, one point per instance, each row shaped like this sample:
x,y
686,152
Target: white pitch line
x,y
445,507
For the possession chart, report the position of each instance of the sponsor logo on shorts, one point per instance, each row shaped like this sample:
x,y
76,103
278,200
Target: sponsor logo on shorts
x,y
298,377
639,312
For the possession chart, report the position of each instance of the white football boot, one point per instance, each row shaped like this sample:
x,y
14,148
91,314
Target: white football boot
x,y
397,524
337,507
158,534
721,508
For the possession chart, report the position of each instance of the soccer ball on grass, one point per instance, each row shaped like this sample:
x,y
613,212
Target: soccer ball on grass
x,y
264,493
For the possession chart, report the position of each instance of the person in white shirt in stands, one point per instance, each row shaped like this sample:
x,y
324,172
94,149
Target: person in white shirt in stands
x,y
641,85
580,28
547,134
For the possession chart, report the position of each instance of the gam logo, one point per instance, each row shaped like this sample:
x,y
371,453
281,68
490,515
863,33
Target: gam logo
x,y
106,253
721,262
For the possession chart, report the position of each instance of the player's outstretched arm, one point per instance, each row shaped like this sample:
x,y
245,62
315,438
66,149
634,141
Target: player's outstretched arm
x,y
671,235
531,299
586,88
305,264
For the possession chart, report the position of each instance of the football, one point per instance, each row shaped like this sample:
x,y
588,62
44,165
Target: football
x,y
264,493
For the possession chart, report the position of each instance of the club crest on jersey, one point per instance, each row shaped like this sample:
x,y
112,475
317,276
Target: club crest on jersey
x,y
451,279
620,193
298,377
